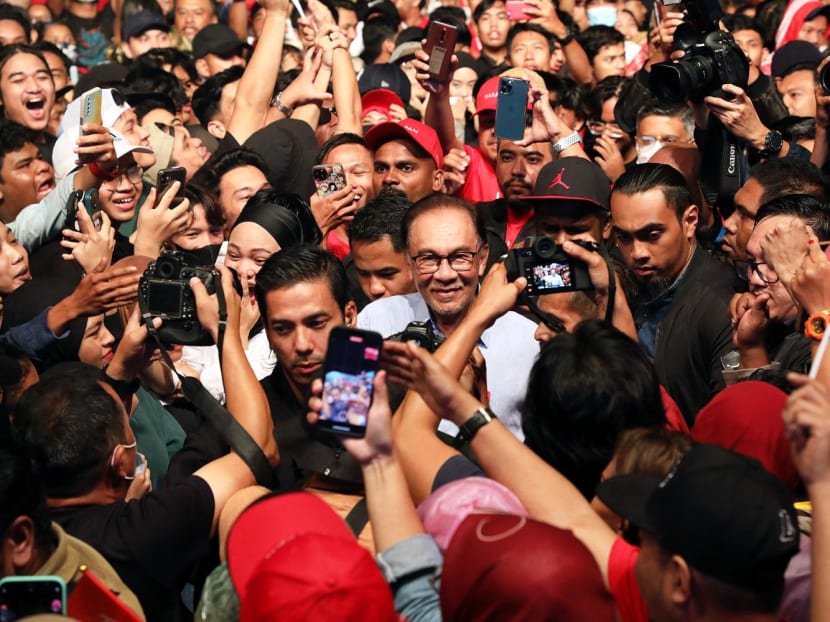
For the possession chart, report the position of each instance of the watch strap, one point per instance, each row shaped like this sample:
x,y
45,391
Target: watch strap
x,y
569,141
470,428
277,103
773,143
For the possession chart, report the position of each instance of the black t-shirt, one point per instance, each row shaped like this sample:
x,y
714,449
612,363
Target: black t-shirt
x,y
152,543
457,467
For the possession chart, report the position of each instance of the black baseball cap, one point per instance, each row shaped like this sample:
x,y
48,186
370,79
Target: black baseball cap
x,y
722,512
217,39
141,22
794,54
572,180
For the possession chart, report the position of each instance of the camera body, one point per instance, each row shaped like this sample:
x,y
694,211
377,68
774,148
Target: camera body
x,y
164,292
422,333
547,268
709,62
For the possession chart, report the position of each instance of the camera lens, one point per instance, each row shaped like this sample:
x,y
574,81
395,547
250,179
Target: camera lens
x,y
166,268
824,79
506,87
676,82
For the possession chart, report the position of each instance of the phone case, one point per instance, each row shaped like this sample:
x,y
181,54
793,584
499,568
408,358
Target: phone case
x,y
441,39
91,107
167,176
515,10
511,106
21,597
328,178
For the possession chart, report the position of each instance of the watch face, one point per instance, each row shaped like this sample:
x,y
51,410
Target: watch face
x,y
818,325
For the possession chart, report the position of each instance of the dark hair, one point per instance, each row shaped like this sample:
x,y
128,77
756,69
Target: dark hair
x,y
301,264
211,175
206,99
197,195
13,137
375,32
780,176
338,140
158,57
286,217
47,46
650,176
768,16
520,27
608,87
483,6
9,51
70,425
212,3
381,218
571,96
440,201
682,111
810,210
21,494
145,79
797,128
595,38
584,390
152,102
16,14
735,22
454,16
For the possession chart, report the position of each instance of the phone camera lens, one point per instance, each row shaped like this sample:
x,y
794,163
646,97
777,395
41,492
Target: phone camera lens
x,y
506,88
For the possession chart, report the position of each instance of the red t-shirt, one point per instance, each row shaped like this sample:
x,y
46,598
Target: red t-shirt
x,y
623,582
481,184
514,226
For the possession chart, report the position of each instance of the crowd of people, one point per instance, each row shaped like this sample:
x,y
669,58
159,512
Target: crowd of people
x,y
650,443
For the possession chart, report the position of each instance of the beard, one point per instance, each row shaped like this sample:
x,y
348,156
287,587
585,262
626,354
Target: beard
x,y
654,288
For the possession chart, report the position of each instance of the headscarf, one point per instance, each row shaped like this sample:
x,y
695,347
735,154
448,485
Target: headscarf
x,y
286,217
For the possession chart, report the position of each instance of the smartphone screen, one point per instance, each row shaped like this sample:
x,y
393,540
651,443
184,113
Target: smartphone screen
x,y
511,107
25,596
352,361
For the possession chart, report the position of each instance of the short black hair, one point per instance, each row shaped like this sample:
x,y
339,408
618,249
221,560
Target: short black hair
x,y
43,47
70,425
585,388
197,195
7,52
737,21
338,140
21,494
808,209
483,6
210,175
441,201
595,38
520,27
301,264
158,57
206,99
16,14
780,176
571,96
650,176
381,218
146,79
13,137
375,32
608,87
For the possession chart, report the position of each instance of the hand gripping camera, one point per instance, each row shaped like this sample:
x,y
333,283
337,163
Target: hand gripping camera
x,y
547,268
164,292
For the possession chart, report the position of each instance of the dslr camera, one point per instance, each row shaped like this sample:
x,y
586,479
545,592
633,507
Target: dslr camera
x,y
164,292
710,61
422,333
547,268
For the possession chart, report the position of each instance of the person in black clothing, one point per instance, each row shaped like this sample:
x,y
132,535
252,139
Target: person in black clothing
x,y
681,306
302,294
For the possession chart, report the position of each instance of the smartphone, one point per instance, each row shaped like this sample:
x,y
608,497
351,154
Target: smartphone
x,y
25,596
328,178
515,10
92,600
440,45
90,113
165,179
511,107
352,361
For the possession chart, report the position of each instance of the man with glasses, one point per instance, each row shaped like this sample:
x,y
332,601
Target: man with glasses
x,y
765,318
447,254
661,125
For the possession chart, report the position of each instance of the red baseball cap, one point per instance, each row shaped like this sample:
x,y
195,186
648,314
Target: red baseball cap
x,y
291,557
422,134
380,100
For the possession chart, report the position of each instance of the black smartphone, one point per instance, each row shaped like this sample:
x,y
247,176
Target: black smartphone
x,y
165,179
352,360
511,108
21,597
440,45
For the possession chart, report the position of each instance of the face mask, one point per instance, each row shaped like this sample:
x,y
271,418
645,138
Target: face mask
x,y
646,152
70,50
602,16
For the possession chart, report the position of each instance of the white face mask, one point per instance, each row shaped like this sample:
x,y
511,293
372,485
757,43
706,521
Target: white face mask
x,y
602,16
70,50
646,152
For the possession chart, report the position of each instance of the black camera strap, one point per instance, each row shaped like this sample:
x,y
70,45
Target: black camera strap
x,y
223,421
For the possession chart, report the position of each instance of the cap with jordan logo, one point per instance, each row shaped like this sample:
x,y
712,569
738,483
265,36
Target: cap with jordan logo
x,y
572,179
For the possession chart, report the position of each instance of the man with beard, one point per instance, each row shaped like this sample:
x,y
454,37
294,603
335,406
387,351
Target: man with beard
x,y
509,219
681,307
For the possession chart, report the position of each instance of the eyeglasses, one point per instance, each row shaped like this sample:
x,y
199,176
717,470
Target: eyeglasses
x,y
745,268
133,173
648,141
460,261
597,128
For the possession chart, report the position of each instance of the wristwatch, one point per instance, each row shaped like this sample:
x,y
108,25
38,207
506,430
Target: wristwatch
x,y
571,31
568,141
480,418
277,103
816,325
773,142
